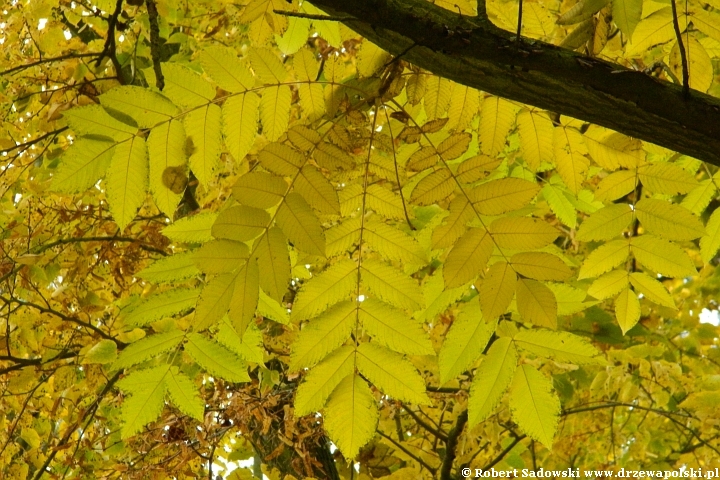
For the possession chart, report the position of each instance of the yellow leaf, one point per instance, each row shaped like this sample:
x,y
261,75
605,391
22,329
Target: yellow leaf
x,y
275,111
274,263
203,128
214,301
655,29
221,256
127,180
391,285
422,159
668,220
195,229
604,258
294,37
267,66
666,178
496,121
370,58
468,257
226,69
454,146
612,150
606,223
433,188
394,244
475,168
437,96
323,335
491,380
391,373
259,190
560,204
710,243
662,256
244,300
616,185
627,310
504,195
560,346
464,342
652,289
351,415
522,233
393,328
536,303
325,289
300,225
534,406
240,223
570,160
700,66
166,149
317,191
627,14
455,225
240,123
281,159
536,134
540,266
609,284
146,108
305,65
321,381
464,106
185,87
82,165
700,197
497,290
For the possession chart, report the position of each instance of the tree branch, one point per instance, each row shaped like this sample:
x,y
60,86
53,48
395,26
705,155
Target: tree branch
x,y
451,446
155,45
476,53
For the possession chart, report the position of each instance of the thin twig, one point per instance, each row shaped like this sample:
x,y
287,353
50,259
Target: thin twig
x,y
311,16
683,53
519,24
49,60
155,43
109,50
408,453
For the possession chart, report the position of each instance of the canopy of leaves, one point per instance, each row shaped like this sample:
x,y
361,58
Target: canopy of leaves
x,y
242,231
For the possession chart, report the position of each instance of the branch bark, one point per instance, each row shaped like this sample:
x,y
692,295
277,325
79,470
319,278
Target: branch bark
x,y
474,52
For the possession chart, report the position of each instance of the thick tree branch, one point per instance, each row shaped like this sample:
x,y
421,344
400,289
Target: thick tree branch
x,y
473,52
451,446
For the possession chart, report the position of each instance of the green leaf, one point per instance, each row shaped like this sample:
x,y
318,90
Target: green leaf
x,y
563,209
323,379
162,305
390,285
627,14
391,373
351,415
173,268
491,380
609,284
147,389
666,178
465,341
184,394
147,348
203,132
127,180
616,185
195,229
82,165
216,359
534,406
185,87
323,335
146,108
325,289
560,346
392,328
